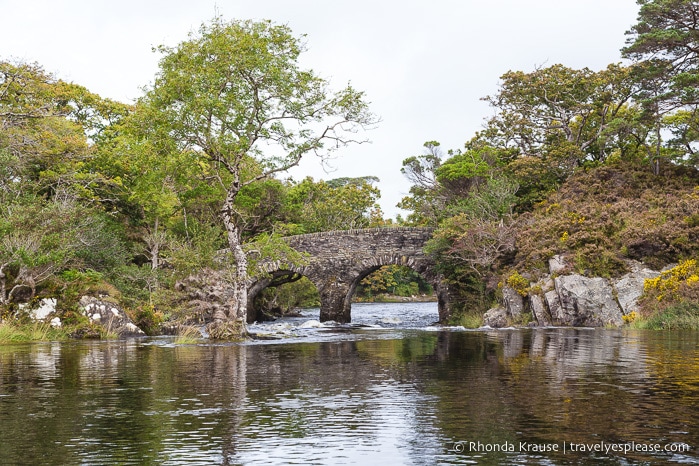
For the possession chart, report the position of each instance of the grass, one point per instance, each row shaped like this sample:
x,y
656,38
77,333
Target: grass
x,y
14,332
187,335
681,316
11,332
467,320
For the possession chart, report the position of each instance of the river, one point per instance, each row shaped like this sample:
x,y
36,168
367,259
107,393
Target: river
x,y
389,389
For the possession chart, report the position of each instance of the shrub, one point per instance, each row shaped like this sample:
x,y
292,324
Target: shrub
x,y
606,215
147,318
467,319
680,316
518,283
669,284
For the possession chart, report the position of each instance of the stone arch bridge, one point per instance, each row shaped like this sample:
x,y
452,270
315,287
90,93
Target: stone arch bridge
x,y
339,260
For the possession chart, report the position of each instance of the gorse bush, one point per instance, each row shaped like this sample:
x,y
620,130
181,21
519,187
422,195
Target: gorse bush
x,y
518,283
670,283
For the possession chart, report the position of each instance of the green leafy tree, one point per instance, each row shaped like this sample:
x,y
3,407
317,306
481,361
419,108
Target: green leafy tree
x,y
39,239
439,187
155,179
234,93
425,201
664,45
339,204
50,209
684,127
558,107
667,36
44,139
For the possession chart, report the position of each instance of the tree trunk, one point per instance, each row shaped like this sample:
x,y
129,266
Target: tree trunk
x,y
238,306
3,284
155,248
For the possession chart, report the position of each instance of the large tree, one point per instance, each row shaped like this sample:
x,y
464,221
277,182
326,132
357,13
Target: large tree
x,y
667,36
664,43
235,95
561,113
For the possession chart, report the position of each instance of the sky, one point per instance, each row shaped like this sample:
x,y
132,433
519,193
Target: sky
x,y
424,66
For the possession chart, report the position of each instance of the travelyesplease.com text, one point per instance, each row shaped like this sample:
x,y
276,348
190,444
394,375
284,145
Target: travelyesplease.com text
x,y
570,447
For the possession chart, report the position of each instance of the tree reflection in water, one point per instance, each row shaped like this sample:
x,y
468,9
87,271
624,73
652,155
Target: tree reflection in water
x,y
361,400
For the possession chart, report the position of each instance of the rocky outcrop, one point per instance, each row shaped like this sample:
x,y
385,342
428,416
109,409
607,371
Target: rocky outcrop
x,y
587,302
539,310
509,312
45,312
110,316
630,287
558,265
513,301
496,318
569,299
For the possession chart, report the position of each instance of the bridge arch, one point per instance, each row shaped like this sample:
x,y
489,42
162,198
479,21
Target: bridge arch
x,y
339,260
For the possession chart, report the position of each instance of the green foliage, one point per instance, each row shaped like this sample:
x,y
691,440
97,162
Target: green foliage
x,y
40,239
426,201
680,316
334,205
536,177
147,318
37,331
43,143
283,299
77,283
480,232
467,319
567,116
234,87
393,280
271,248
666,34
197,248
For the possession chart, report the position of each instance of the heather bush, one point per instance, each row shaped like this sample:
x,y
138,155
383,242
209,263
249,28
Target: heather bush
x,y
603,216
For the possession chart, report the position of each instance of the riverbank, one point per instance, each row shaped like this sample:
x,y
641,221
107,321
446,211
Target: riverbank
x,y
390,298
34,331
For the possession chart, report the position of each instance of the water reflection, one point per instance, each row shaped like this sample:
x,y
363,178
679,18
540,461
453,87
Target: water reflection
x,y
365,400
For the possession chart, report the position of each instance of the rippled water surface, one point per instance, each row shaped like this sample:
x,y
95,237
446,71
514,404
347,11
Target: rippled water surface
x,y
389,389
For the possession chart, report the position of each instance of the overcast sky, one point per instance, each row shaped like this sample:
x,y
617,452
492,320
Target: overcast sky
x,y
423,65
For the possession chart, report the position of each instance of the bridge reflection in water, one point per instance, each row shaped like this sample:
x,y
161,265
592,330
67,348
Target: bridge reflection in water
x,y
339,260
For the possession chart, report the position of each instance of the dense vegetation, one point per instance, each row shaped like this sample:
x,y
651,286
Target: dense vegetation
x,y
123,200
599,166
104,198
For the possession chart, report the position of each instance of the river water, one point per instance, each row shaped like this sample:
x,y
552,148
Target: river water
x,y
389,389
